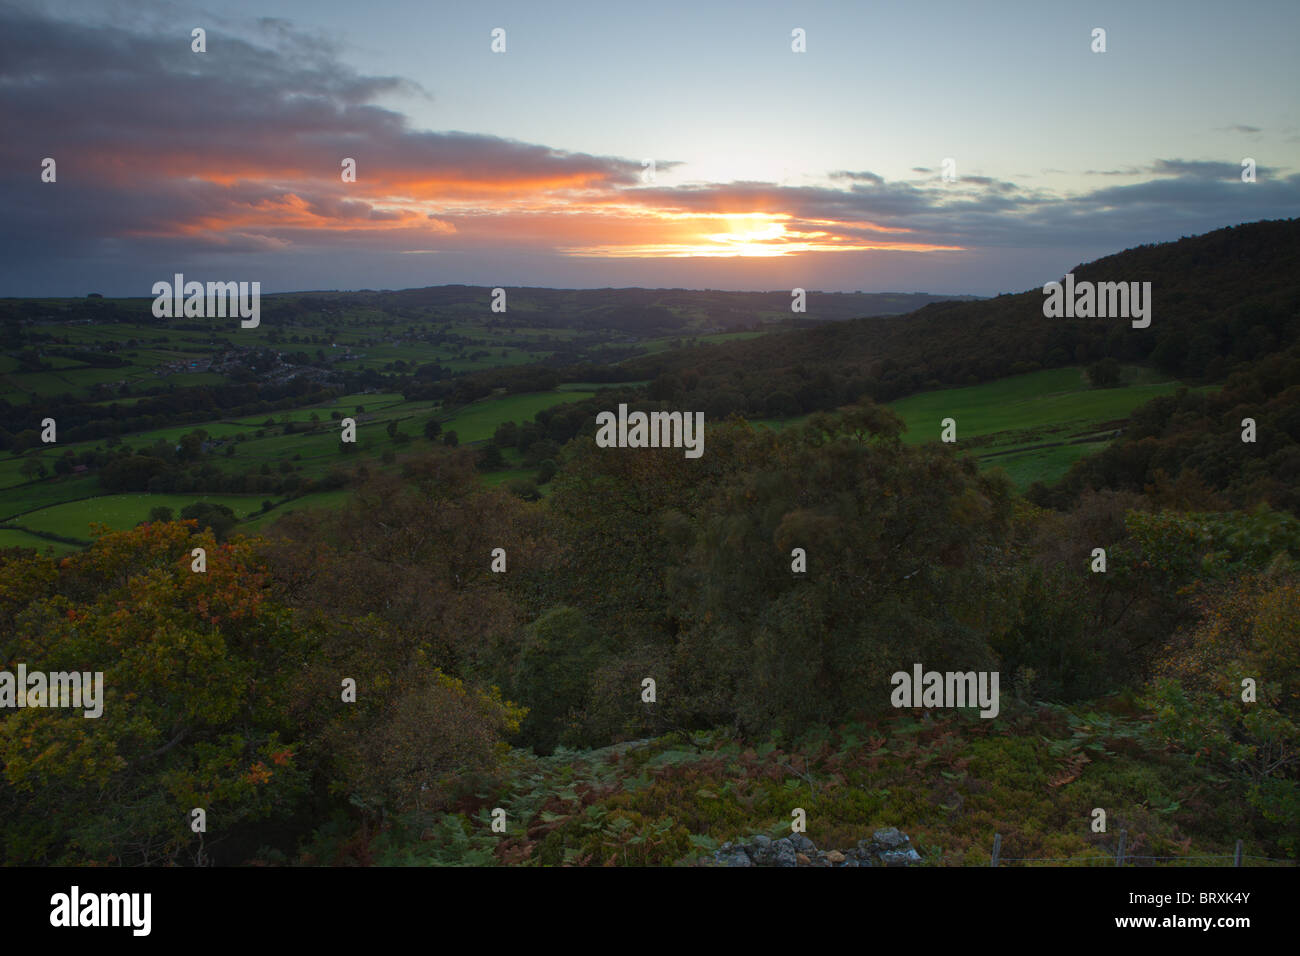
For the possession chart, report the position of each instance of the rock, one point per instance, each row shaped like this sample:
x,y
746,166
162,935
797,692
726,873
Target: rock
x,y
900,857
734,858
731,854
889,838
887,847
802,843
783,853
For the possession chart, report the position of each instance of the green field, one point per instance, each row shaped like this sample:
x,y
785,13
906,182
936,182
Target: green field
x,y
327,500
477,421
12,538
1033,426
43,494
72,520
1052,400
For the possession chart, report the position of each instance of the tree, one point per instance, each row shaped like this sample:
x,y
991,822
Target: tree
x,y
490,459
893,531
160,513
415,747
553,675
506,434
524,488
32,469
451,439
194,698
1105,373
432,429
208,515
132,472
1250,629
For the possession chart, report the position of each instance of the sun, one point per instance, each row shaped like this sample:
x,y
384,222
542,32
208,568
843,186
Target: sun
x,y
749,234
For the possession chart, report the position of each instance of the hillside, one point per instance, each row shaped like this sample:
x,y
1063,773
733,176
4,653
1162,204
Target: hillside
x,y
1220,300
529,649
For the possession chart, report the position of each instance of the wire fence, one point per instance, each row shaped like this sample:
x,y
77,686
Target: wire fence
x,y
1120,858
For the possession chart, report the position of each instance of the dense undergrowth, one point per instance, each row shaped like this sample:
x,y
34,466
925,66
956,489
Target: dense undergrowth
x,y
951,782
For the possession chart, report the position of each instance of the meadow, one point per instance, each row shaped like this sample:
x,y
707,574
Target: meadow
x,y
65,506
72,520
1033,426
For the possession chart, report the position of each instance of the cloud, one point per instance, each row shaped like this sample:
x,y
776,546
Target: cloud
x,y
167,158
151,139
859,177
1203,170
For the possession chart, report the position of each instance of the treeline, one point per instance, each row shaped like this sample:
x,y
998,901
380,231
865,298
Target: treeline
x,y
432,382
84,421
191,465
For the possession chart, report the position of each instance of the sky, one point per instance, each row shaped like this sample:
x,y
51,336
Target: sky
x,y
531,166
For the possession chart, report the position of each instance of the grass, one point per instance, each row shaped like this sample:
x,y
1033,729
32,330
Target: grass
x,y
1053,398
1043,464
1034,426
13,538
72,520
44,494
478,420
326,500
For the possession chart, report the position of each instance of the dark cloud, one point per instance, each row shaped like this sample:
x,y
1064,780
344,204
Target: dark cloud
x,y
1203,170
153,139
859,177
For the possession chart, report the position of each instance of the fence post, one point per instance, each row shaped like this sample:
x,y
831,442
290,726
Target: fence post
x,y
997,848
1119,853
1236,856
